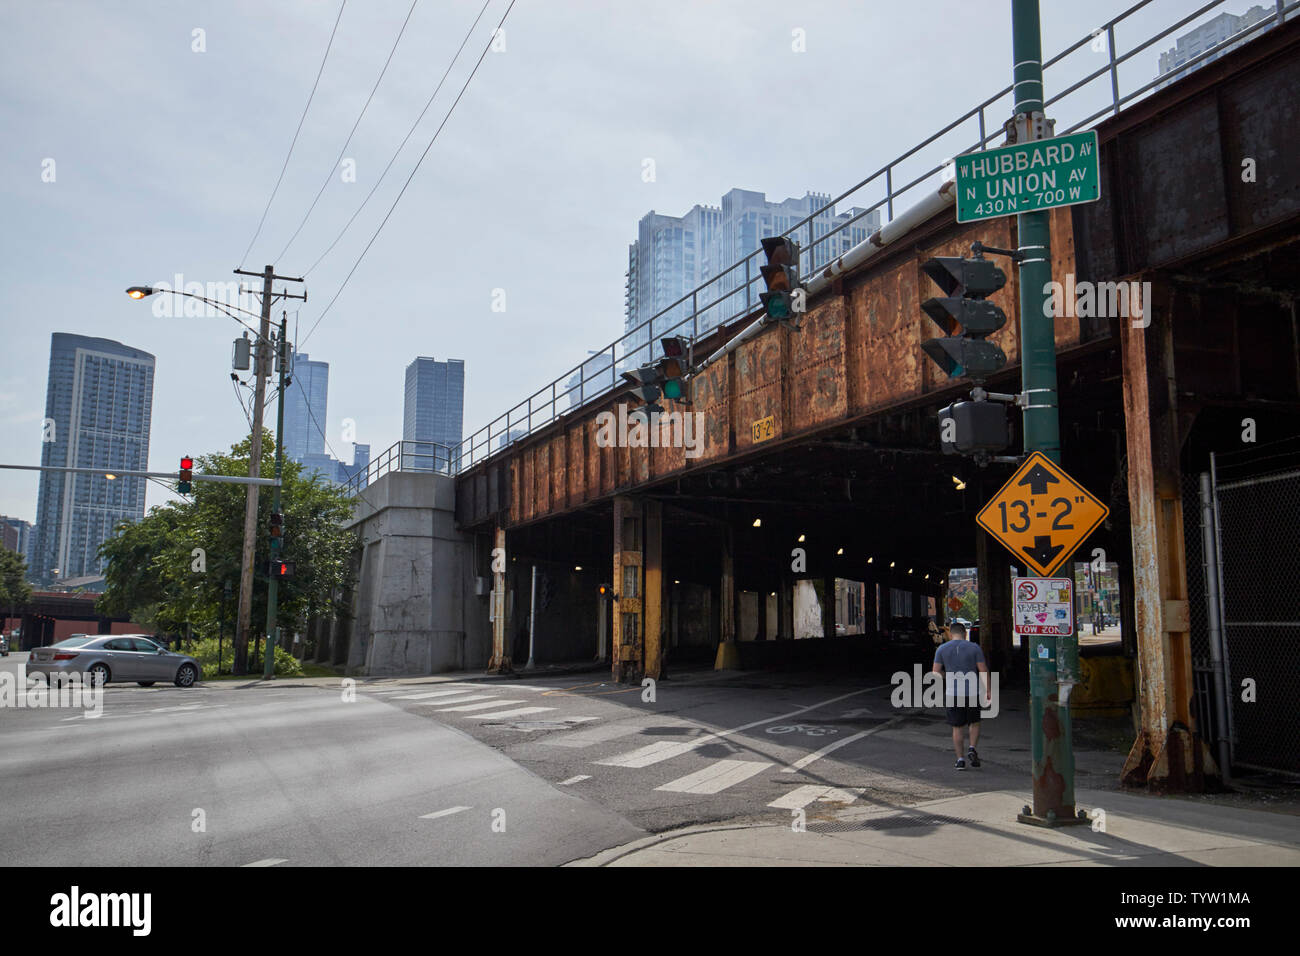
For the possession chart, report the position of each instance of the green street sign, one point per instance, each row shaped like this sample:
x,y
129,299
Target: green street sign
x,y
1028,177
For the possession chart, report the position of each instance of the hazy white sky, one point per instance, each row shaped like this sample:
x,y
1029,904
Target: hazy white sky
x,y
164,159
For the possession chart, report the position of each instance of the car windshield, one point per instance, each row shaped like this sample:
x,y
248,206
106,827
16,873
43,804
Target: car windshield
x,y
72,642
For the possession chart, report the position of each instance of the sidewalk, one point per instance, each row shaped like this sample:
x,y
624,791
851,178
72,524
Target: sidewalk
x,y
981,829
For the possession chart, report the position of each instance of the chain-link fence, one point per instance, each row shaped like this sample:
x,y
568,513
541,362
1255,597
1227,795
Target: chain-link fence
x,y
1258,524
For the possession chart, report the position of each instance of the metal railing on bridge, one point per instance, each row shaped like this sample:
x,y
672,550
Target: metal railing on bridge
x,y
426,456
1088,93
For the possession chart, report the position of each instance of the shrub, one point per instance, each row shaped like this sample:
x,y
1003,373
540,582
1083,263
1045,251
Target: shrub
x,y
205,652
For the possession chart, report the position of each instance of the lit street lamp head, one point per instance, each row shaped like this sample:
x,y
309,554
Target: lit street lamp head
x,y
140,291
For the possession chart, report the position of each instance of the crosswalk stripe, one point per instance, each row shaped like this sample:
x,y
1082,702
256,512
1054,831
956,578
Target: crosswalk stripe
x,y
578,779
517,712
269,861
442,813
430,694
716,777
596,735
491,703
800,797
462,699
652,753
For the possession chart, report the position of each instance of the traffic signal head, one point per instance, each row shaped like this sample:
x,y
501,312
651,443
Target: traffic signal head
x,y
965,316
967,427
282,569
781,276
277,529
664,378
185,476
646,382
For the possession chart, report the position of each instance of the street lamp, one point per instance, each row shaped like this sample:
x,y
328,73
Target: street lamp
x,y
263,371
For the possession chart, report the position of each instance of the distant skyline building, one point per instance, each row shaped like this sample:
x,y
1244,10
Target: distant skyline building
x,y
306,410
674,254
98,411
306,403
16,534
434,410
1214,34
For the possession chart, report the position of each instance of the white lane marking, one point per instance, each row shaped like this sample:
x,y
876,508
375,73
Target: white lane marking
x,y
513,687
517,712
443,813
818,754
800,797
578,779
716,777
432,693
596,735
580,720
269,861
656,752
465,707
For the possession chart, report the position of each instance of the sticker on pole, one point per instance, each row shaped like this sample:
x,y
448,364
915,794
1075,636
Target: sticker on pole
x,y
1027,177
1043,606
1041,515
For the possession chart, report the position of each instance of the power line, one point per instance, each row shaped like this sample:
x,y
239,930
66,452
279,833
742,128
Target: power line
x,y
329,175
409,133
410,177
302,118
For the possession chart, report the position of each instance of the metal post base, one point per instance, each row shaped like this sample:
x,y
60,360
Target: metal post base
x,y
1027,815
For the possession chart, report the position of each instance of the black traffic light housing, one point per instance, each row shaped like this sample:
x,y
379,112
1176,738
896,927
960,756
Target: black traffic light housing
x,y
783,300
664,378
967,428
965,316
277,529
281,569
185,476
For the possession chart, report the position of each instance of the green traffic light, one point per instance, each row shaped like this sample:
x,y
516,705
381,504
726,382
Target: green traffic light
x,y
673,388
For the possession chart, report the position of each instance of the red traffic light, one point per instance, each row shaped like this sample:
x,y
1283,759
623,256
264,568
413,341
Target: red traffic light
x,y
187,464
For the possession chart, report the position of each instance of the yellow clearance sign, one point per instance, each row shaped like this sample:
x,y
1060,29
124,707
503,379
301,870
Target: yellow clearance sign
x,y
1042,515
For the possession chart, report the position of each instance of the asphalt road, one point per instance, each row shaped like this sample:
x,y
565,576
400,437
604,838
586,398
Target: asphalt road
x,y
278,775
529,771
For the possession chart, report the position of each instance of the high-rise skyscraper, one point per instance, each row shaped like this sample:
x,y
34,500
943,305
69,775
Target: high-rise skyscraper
x,y
1214,34
435,408
306,402
674,254
98,407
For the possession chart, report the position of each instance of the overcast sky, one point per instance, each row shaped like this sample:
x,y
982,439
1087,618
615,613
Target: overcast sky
x,y
164,159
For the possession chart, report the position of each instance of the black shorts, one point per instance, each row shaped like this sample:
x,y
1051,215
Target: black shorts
x,y
961,716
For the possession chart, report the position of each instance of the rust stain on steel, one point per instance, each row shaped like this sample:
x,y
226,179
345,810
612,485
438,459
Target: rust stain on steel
x,y
710,393
817,367
758,384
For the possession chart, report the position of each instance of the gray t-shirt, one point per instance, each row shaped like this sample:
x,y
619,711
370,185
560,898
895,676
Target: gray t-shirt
x,y
959,659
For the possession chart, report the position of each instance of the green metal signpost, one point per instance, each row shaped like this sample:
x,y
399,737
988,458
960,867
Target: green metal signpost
x,y
1028,177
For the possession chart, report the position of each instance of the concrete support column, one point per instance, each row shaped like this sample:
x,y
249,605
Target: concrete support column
x,y
500,660
1167,755
652,661
785,607
728,653
629,585
828,607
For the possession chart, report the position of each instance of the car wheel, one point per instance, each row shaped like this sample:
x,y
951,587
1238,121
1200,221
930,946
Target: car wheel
x,y
145,683
186,676
99,674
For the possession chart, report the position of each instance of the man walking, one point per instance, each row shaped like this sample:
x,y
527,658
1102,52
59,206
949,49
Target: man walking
x,y
966,683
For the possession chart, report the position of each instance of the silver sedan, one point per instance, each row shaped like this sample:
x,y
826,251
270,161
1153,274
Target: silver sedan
x,y
115,657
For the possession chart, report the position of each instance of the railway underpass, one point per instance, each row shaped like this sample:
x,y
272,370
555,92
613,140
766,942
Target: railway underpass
x,y
714,557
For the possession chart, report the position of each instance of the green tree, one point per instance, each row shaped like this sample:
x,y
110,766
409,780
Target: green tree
x,y
169,570
14,589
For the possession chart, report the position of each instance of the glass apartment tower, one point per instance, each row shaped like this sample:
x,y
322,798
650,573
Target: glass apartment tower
x,y
434,412
98,406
